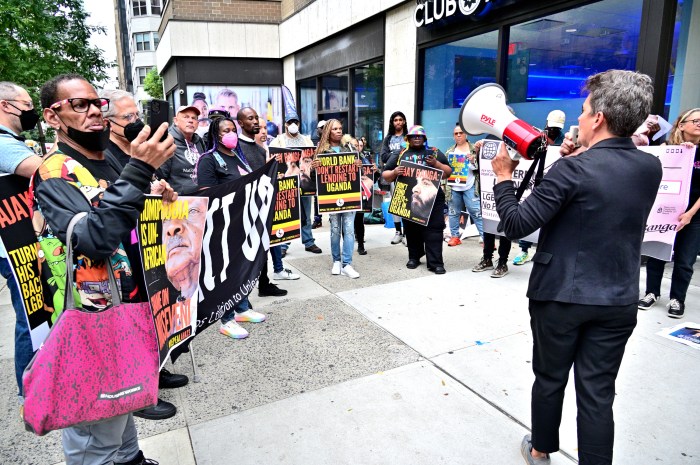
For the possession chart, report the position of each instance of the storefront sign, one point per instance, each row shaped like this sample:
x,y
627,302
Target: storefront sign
x,y
428,12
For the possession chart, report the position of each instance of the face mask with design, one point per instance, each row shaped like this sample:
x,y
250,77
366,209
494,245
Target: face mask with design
x,y
293,128
230,140
27,118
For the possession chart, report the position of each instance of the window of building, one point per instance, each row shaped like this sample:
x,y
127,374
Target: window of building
x,y
139,7
550,58
683,92
142,72
307,102
368,87
451,72
143,41
156,40
155,7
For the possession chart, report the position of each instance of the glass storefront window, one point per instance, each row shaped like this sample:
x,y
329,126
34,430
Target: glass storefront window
x,y
369,103
307,104
451,72
550,58
683,92
334,92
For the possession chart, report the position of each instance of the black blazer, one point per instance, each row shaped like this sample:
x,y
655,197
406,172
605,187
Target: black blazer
x,y
592,210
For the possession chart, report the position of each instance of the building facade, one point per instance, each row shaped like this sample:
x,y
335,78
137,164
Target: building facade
x,y
360,60
137,34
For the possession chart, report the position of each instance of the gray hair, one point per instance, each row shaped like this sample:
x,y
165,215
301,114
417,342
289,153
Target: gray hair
x,y
8,90
624,98
114,96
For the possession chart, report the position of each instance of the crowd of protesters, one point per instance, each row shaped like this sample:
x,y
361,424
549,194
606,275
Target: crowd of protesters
x,y
206,146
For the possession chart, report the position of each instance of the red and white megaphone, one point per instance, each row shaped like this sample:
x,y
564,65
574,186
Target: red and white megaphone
x,y
485,111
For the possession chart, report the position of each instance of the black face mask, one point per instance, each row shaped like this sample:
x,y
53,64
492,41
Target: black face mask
x,y
89,140
27,118
131,130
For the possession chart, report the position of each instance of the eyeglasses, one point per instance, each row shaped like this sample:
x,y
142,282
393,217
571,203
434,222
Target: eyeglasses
x,y
459,133
26,102
82,105
696,122
130,117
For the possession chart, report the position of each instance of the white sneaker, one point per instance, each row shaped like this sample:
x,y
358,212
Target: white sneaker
x,y
398,237
285,274
233,330
250,316
350,272
336,268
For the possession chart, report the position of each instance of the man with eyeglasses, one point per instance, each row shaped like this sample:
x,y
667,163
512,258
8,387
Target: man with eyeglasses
x,y
17,114
180,170
122,112
80,178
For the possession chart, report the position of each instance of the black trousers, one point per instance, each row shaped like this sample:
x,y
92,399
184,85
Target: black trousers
x,y
360,227
490,245
592,338
426,240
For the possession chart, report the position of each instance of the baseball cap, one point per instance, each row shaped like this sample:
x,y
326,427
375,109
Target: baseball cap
x,y
215,113
321,123
556,119
182,108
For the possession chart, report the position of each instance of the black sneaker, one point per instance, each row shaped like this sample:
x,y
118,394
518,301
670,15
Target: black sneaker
x,y
271,290
500,271
483,265
648,301
167,380
161,411
676,308
138,460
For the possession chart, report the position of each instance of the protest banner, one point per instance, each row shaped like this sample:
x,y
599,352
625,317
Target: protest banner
x,y
236,238
671,200
307,180
415,192
170,241
24,255
286,221
367,183
460,168
338,183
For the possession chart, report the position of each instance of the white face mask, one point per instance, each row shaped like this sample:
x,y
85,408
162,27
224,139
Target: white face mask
x,y
293,128
201,130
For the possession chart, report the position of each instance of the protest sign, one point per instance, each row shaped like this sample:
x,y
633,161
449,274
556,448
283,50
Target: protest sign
x,y
685,333
236,238
23,253
338,183
286,220
307,180
171,246
460,168
287,159
367,183
671,200
415,192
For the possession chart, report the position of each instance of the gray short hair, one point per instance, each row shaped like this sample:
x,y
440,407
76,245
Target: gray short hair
x,y
8,90
114,96
624,97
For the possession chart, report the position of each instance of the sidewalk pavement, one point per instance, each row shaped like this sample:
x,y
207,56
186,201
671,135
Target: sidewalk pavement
x,y
397,367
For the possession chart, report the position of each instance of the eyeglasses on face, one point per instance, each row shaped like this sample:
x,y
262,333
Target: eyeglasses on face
x,y
696,122
129,117
459,133
82,105
28,103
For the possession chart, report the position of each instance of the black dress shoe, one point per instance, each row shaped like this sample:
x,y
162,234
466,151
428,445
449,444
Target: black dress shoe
x,y
314,249
161,411
271,290
437,269
412,263
167,380
361,248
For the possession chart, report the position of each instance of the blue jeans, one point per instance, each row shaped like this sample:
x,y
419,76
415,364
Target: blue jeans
x,y
23,341
460,200
346,222
240,307
685,252
307,238
276,254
